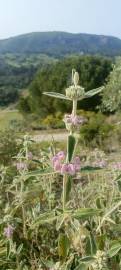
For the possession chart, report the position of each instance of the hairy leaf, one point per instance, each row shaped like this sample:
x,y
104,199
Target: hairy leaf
x,y
93,92
56,95
68,187
70,147
63,245
116,247
85,212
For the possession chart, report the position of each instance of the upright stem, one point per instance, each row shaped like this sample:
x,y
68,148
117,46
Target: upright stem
x,y
74,107
64,191
23,212
26,152
50,192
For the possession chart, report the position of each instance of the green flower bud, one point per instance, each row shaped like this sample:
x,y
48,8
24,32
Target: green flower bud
x,y
76,78
75,92
101,261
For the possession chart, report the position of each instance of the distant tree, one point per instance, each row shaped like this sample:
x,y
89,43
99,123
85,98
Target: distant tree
x,y
8,95
23,105
111,100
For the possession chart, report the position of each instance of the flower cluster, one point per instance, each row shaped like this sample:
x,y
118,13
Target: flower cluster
x,y
75,92
101,163
21,166
65,168
73,121
100,262
117,166
29,155
8,231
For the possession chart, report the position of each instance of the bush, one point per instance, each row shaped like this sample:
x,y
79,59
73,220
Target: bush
x,y
54,121
111,98
96,131
8,95
9,147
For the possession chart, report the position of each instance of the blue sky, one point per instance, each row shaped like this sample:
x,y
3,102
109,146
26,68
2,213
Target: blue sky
x,y
77,16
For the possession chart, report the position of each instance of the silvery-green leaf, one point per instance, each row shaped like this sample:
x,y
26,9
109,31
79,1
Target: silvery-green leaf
x,y
63,245
44,218
82,266
19,249
83,213
87,259
70,147
91,246
38,172
68,187
90,169
93,92
116,247
56,95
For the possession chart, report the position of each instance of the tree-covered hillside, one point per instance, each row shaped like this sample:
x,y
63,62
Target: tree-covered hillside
x,y
16,72
61,43
22,56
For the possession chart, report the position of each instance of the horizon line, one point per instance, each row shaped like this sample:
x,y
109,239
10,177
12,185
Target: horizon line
x,y
58,31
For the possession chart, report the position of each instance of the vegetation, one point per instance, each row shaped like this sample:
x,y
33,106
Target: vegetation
x,y
98,132
60,209
17,72
111,101
93,72
10,119
9,147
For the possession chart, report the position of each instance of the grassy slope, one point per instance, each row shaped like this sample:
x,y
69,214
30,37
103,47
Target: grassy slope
x,y
7,116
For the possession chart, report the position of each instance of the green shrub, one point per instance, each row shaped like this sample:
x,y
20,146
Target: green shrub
x,y
111,98
53,121
96,131
9,147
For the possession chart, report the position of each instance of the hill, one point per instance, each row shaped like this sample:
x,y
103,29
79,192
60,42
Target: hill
x,y
16,73
61,44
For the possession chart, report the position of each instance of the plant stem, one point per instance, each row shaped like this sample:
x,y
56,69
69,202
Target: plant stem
x,y
64,191
74,107
50,192
23,211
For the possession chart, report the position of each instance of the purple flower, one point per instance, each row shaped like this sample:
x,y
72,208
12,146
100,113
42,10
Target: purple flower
x,y
77,163
117,166
101,164
21,166
71,169
8,231
29,155
57,166
65,168
58,157
54,159
61,155
68,169
74,120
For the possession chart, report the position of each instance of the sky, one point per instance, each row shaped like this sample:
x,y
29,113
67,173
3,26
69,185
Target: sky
x,y
75,16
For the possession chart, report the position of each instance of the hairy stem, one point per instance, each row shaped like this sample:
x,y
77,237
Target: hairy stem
x,y
64,191
74,107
